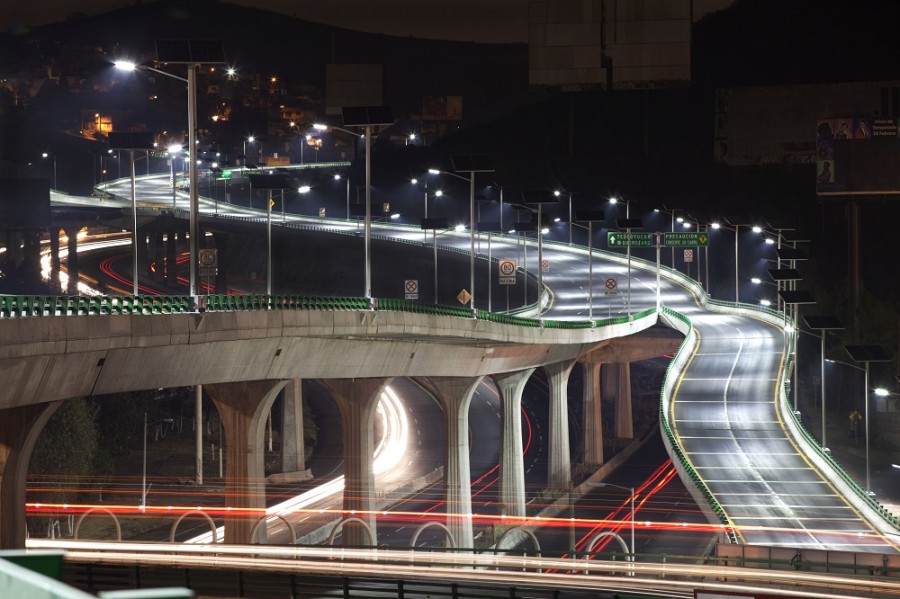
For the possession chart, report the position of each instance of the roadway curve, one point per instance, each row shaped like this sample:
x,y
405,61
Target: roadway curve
x,y
725,411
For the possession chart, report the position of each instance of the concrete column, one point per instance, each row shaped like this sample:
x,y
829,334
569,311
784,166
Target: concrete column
x,y
357,400
19,430
593,421
293,454
624,420
512,467
72,260
243,408
559,475
455,396
54,257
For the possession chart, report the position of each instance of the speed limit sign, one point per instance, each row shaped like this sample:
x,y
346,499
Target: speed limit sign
x,y
208,257
507,270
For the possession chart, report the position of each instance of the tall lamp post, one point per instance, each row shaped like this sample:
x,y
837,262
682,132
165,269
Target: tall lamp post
x,y
365,117
736,228
628,224
630,490
190,53
867,354
823,324
571,222
590,217
470,164
46,155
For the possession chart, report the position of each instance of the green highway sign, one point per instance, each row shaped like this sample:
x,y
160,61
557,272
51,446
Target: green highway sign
x,y
621,240
227,174
683,240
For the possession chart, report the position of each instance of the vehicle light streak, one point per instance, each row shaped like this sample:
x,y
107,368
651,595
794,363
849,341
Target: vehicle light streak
x,y
672,578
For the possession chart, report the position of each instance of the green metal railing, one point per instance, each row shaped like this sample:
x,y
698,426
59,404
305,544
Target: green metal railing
x,y
30,306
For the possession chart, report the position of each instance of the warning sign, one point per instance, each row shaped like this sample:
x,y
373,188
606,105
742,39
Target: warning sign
x,y
612,285
463,297
507,270
411,289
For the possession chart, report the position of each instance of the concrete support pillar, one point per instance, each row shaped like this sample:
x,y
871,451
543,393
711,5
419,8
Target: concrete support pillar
x,y
512,467
243,408
30,269
293,454
559,471
54,257
19,431
72,260
357,400
593,420
455,396
624,420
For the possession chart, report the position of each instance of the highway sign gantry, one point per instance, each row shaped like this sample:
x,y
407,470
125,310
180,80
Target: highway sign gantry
x,y
615,239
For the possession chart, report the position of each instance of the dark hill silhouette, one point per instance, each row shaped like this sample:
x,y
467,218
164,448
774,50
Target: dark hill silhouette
x,y
491,77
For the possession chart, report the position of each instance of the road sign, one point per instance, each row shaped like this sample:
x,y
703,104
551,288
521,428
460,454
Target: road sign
x,y
411,289
612,285
507,270
686,239
614,239
227,174
321,212
208,258
463,297
688,255
545,265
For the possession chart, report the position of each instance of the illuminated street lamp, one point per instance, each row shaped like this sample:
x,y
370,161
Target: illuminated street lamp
x,y
190,53
366,117
46,155
867,354
736,228
250,140
174,150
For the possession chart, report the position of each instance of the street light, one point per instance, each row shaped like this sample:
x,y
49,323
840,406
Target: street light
x,y
183,52
558,193
174,149
628,225
46,155
736,228
629,489
591,216
366,117
250,140
867,354
823,324
471,165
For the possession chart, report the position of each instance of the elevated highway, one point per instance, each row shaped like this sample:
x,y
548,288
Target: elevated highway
x,y
725,416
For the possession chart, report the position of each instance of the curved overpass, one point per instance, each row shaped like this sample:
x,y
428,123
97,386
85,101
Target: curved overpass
x,y
725,415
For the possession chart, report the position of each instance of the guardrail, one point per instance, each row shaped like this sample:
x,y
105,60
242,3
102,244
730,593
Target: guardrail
x,y
32,306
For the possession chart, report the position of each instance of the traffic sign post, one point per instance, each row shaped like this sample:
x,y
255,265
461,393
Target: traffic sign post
x,y
614,239
411,289
507,270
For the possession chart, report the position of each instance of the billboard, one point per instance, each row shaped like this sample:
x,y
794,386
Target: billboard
x,y
857,156
353,85
594,44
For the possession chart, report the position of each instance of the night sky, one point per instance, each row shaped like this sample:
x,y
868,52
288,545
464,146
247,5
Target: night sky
x,y
501,21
